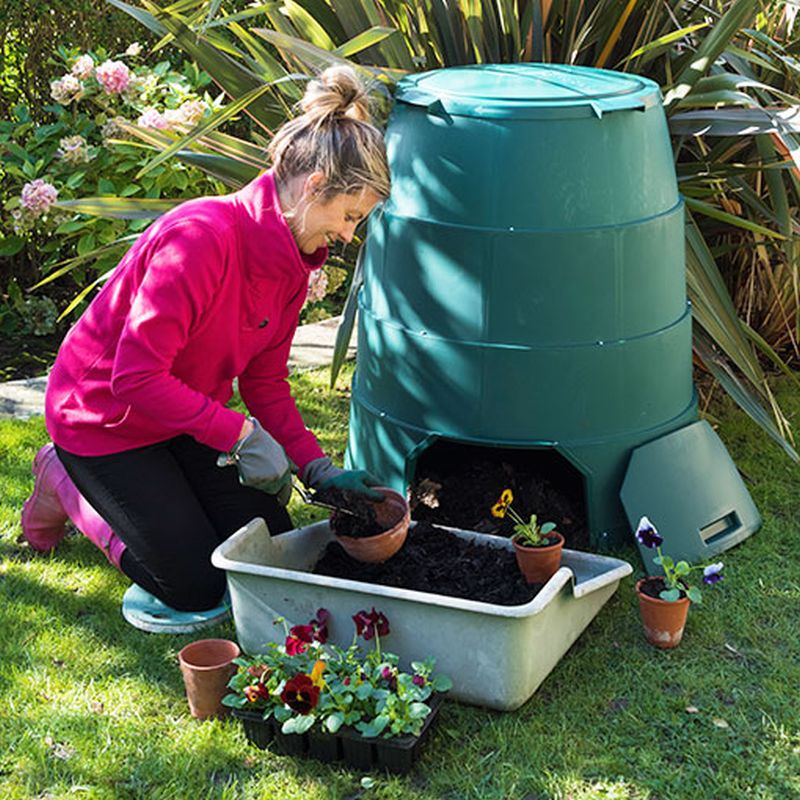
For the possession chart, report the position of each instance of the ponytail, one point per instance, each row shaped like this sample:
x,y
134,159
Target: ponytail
x,y
335,136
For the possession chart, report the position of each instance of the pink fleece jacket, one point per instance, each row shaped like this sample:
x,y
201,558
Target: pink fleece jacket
x,y
210,292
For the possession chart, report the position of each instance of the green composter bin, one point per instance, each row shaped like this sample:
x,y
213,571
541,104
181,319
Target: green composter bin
x,y
524,285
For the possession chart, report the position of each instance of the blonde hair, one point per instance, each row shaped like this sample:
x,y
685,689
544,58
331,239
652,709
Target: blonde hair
x,y
334,135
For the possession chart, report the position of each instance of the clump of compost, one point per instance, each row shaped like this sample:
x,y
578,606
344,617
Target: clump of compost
x,y
360,523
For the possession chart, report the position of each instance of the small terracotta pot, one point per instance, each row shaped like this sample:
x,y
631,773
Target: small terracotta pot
x,y
392,513
663,621
539,564
207,666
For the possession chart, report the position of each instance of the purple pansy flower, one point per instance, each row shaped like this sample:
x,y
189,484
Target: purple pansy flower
x,y
647,534
713,573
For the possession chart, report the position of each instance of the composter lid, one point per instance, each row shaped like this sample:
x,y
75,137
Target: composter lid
x,y
527,91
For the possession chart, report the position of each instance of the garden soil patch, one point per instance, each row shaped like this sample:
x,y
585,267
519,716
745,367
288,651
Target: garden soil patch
x,y
437,561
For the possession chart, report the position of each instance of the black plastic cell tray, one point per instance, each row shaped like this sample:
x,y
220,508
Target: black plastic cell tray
x,y
397,754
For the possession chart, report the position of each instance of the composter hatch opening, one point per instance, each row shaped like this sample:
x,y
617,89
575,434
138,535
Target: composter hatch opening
x,y
457,483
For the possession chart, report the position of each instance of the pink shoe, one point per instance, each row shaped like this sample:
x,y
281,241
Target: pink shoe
x,y
55,500
43,516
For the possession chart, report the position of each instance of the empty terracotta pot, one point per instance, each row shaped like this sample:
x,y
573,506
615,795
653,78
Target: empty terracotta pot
x,y
391,513
207,666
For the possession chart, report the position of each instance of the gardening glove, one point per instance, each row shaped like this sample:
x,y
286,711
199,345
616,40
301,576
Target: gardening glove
x,y
262,463
321,474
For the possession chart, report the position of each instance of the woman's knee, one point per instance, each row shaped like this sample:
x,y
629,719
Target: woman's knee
x,y
194,590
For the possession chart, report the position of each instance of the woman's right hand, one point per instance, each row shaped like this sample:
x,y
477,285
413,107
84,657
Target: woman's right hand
x,y
261,462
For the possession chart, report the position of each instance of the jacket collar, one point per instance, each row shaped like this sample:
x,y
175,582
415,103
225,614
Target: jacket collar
x,y
267,240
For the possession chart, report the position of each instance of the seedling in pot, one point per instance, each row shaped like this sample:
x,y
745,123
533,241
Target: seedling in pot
x,y
529,534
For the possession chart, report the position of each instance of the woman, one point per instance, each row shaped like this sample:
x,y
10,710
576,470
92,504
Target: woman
x,y
136,401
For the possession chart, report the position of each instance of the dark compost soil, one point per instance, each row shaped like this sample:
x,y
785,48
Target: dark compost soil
x,y
457,485
653,587
437,561
360,523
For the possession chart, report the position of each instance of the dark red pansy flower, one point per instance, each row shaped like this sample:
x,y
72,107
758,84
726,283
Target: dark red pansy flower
x,y
294,646
300,694
368,624
320,625
257,692
305,633
418,680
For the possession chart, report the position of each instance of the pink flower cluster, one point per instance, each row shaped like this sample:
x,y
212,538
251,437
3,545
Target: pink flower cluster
x,y
73,149
66,89
152,118
83,67
189,113
317,286
113,76
37,196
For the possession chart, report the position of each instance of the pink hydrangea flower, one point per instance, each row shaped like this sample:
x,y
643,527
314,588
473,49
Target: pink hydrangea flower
x,y
192,111
37,196
317,286
83,67
113,130
113,76
66,89
151,118
73,149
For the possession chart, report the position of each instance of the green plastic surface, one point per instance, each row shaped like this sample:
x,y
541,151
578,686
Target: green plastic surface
x,y
689,488
524,284
527,91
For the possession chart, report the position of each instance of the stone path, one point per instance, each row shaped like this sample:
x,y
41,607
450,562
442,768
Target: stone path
x,y
312,347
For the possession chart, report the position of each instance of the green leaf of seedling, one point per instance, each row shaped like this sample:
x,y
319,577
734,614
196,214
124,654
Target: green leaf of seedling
x,y
419,710
548,526
282,713
363,691
658,560
374,728
667,563
231,700
298,724
334,721
694,595
441,683
682,568
670,595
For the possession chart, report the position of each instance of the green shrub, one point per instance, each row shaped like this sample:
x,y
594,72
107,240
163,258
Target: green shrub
x,y
32,30
72,156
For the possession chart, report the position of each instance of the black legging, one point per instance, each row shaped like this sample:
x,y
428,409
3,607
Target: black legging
x,y
172,505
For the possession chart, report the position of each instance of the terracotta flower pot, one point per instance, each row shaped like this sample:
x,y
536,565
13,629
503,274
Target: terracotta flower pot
x,y
207,666
663,621
539,564
391,513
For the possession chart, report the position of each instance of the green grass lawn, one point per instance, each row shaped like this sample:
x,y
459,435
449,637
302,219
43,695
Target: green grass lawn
x,y
94,708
